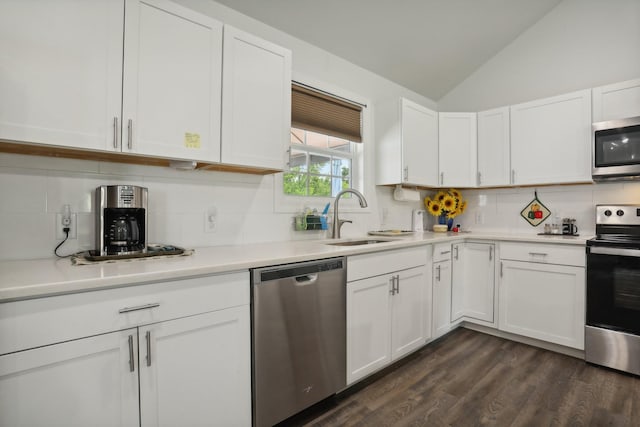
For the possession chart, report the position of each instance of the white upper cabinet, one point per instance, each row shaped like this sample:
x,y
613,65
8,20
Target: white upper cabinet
x,y
256,101
172,82
457,147
408,146
494,161
616,101
551,140
61,72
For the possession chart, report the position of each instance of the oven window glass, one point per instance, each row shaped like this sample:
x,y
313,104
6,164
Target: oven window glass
x,y
617,147
613,292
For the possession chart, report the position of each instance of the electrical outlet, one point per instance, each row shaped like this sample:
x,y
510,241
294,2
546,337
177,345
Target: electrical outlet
x,y
64,220
210,219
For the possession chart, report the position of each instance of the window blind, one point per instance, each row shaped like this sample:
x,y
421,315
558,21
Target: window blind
x,y
320,112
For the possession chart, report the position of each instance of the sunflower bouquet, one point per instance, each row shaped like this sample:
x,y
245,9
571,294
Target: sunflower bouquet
x,y
446,205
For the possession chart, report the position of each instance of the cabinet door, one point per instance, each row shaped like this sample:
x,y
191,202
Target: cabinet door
x,y
459,277
543,301
419,144
616,101
408,312
196,370
479,281
551,140
368,326
86,382
457,149
441,298
494,162
172,82
256,101
61,72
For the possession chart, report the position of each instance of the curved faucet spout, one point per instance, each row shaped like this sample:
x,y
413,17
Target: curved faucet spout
x,y
337,222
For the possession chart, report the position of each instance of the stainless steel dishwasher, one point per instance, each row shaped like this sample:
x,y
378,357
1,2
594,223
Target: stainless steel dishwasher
x,y
298,337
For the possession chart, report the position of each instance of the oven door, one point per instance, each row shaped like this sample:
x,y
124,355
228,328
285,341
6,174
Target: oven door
x,y
613,288
616,149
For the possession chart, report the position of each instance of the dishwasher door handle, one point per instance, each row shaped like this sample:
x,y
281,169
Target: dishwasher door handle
x,y
307,279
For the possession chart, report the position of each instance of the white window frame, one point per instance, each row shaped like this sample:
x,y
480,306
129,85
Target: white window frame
x,y
362,166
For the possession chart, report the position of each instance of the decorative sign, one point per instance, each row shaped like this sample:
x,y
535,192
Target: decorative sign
x,y
535,212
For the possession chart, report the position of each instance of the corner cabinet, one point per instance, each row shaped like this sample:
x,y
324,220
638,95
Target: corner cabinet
x,y
388,308
542,292
173,353
494,148
256,101
551,140
473,283
408,144
457,149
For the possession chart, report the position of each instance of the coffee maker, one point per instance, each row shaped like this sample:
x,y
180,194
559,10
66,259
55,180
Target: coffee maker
x,y
121,220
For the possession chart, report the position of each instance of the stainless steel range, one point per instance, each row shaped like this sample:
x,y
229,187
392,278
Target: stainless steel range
x,y
612,334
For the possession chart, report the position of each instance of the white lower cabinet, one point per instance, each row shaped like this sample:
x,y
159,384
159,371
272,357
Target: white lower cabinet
x,y
473,282
542,300
192,370
387,314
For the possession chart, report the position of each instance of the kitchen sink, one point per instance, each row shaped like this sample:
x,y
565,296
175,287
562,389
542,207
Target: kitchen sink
x,y
358,242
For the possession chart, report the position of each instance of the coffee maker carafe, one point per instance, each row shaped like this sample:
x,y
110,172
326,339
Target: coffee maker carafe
x,y
121,223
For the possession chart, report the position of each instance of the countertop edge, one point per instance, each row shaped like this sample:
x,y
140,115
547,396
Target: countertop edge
x,y
28,279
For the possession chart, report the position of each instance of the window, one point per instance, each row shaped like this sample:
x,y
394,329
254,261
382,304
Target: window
x,y
319,165
324,131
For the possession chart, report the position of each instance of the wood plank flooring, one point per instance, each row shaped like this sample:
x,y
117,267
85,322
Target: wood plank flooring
x,y
472,379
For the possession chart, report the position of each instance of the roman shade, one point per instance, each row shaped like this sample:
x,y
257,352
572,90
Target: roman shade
x,y
321,112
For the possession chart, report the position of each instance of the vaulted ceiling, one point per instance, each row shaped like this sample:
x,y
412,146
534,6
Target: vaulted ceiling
x,y
428,46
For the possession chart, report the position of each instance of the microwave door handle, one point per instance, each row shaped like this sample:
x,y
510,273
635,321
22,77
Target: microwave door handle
x,y
615,251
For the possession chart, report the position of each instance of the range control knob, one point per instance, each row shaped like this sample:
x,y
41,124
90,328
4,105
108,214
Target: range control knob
x,y
620,212
607,213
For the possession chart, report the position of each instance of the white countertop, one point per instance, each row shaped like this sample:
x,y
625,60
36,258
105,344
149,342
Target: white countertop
x,y
52,276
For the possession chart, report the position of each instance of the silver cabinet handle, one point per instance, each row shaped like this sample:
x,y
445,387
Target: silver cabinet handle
x,y
438,276
398,284
130,134
444,252
441,178
479,178
393,285
537,254
513,176
115,132
406,173
490,253
501,267
148,338
456,249
139,307
132,366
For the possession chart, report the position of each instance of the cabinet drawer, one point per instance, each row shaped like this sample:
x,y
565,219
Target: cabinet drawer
x,y
544,253
442,252
375,264
36,322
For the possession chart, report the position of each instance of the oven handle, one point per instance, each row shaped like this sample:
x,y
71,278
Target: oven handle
x,y
614,251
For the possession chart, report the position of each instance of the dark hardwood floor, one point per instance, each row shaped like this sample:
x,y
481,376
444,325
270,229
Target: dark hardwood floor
x,y
472,379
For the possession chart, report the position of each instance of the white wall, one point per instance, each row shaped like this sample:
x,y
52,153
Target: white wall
x,y
578,45
34,189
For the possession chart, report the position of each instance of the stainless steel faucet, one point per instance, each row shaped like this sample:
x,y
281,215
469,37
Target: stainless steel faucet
x,y
337,222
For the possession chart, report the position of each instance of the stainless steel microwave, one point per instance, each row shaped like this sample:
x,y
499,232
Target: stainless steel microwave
x,y
616,149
